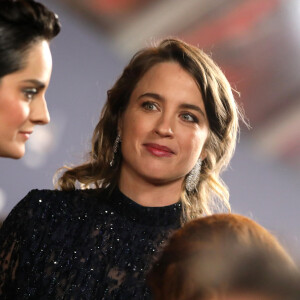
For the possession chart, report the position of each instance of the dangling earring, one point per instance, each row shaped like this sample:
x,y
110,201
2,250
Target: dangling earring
x,y
115,150
193,177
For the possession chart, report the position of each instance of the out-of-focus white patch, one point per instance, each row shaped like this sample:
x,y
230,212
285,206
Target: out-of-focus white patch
x,y
34,161
42,142
2,200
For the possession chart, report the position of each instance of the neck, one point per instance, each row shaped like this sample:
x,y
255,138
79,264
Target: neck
x,y
147,193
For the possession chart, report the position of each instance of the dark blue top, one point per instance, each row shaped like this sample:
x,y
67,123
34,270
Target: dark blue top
x,y
91,244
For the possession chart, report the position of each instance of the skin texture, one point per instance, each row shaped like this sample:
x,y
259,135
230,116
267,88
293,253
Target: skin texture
x,y
22,100
160,112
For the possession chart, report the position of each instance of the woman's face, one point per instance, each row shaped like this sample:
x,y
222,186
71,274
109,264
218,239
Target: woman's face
x,y
164,126
22,100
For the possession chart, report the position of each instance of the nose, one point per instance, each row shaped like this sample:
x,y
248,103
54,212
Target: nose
x,y
164,126
39,113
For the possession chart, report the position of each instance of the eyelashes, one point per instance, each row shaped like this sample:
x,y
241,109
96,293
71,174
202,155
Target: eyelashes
x,y
30,93
148,105
184,116
189,117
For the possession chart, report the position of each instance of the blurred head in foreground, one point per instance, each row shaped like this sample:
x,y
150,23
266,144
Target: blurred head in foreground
x,y
224,257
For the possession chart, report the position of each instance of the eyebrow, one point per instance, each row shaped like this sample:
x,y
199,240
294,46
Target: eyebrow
x,y
152,95
36,82
193,107
183,106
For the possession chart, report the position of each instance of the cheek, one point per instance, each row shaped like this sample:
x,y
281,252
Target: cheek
x,y
135,129
194,142
19,113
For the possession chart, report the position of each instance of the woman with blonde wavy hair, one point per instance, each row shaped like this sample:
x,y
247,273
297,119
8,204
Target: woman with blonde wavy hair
x,y
167,130
220,114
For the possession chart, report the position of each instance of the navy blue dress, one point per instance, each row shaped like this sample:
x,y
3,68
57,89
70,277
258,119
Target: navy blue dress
x,y
91,244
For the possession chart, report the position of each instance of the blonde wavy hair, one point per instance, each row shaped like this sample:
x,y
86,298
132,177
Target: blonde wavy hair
x,y
222,112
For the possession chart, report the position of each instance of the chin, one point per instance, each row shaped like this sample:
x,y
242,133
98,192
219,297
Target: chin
x,y
13,153
161,180
14,156
18,154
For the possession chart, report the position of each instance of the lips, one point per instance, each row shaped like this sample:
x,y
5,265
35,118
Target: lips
x,y
26,134
159,150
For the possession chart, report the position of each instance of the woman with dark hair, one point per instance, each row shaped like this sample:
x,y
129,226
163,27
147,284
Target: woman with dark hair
x,y
167,130
26,27
224,257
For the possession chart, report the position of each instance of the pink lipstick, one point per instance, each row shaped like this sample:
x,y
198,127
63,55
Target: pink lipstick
x,y
26,134
159,150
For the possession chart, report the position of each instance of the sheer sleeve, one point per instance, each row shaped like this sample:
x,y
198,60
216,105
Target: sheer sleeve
x,y
12,239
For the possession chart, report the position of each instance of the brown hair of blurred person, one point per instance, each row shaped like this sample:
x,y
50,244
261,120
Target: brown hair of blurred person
x,y
221,257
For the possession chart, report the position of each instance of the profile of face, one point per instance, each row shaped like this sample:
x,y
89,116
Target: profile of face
x,y
22,100
164,127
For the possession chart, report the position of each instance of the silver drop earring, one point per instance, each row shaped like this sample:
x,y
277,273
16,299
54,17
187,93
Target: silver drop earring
x,y
115,150
193,177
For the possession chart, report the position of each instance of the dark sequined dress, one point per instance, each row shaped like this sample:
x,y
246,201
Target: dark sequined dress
x,y
81,245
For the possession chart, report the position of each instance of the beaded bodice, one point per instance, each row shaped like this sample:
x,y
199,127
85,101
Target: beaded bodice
x,y
81,245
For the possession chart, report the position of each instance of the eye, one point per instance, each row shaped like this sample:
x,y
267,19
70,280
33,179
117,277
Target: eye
x,y
29,93
149,105
188,117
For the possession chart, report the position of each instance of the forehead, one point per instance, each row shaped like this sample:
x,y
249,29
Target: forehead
x,y
171,81
166,70
37,62
38,54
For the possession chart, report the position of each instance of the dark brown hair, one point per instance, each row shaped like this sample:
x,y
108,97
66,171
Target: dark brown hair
x,y
23,23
